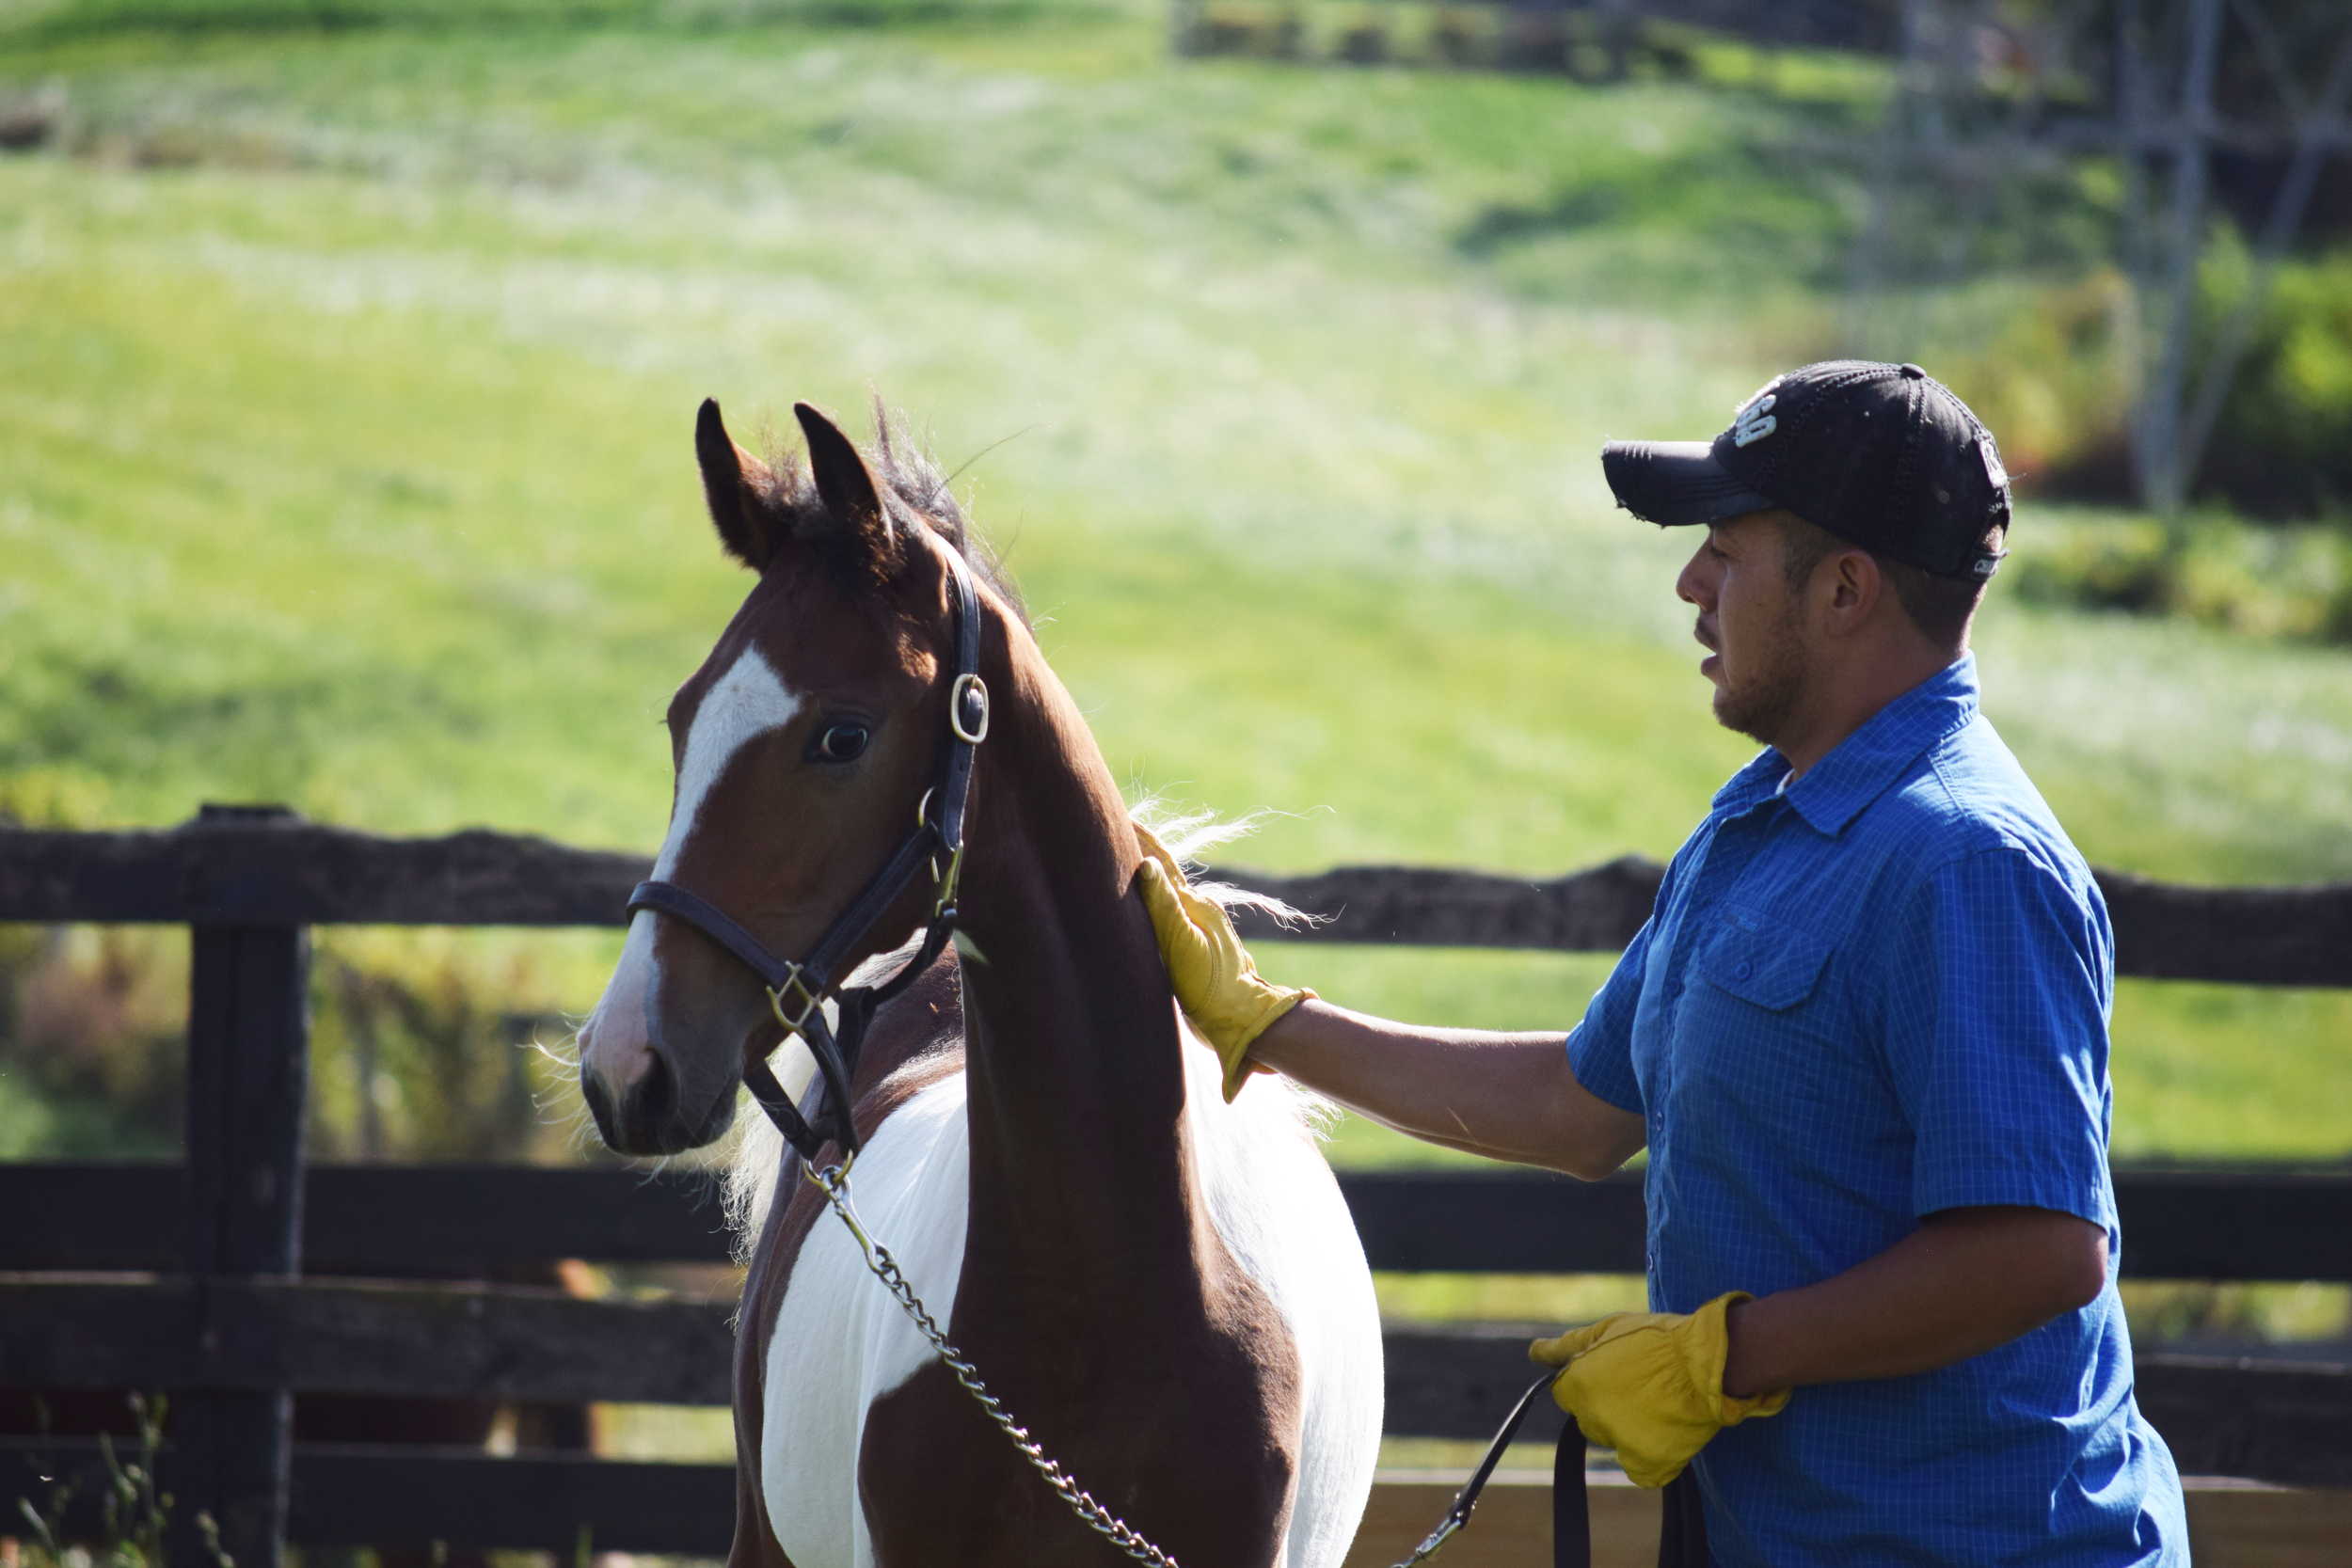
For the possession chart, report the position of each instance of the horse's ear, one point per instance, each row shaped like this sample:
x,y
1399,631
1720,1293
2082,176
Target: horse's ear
x,y
735,484
860,522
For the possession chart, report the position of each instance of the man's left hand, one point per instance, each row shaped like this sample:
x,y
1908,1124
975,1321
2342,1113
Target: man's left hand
x,y
1650,1384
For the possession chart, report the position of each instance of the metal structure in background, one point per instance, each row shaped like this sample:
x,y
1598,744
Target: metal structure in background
x,y
245,1277
1995,92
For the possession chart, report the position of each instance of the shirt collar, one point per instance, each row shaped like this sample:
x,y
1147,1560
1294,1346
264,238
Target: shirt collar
x,y
1863,766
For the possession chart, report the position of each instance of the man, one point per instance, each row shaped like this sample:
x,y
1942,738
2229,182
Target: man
x,y
1862,1037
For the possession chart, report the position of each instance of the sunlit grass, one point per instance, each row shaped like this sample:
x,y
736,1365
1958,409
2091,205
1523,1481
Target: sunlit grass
x,y
2254,1071
348,465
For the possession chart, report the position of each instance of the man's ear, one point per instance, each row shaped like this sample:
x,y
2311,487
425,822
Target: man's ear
x,y
1856,585
860,522
736,485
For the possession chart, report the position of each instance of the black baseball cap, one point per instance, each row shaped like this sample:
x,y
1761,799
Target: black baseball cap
x,y
1884,456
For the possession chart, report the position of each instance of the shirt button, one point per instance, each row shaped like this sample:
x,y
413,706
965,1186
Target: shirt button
x,y
1744,971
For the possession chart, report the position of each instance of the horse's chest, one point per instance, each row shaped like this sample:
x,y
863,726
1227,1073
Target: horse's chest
x,y
840,1342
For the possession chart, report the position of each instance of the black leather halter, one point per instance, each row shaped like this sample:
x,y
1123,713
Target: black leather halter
x,y
796,991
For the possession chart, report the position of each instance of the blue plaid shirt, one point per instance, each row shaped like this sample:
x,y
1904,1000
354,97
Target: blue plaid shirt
x,y
1878,993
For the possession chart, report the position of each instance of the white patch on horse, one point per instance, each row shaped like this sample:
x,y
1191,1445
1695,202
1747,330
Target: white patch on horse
x,y
841,1341
1277,1207
742,705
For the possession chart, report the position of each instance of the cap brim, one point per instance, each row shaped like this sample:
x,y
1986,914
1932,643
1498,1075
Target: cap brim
x,y
1673,483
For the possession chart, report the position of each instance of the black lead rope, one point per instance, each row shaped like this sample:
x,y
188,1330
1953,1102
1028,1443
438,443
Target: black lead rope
x,y
1571,1528
1682,1523
796,991
1571,1509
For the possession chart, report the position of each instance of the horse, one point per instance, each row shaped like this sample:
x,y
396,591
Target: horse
x,y
1165,1290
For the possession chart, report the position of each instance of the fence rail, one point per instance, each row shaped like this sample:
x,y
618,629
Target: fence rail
x,y
243,870
2278,1422
191,1278
472,1221
418,1497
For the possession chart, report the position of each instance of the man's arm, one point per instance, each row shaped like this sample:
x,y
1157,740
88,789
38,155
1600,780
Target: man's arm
x,y
1966,1281
1507,1096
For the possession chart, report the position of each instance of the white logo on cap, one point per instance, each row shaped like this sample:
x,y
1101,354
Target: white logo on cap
x,y
1754,422
1993,470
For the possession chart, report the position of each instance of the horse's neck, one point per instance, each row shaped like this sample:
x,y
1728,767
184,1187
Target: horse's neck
x,y
1076,1086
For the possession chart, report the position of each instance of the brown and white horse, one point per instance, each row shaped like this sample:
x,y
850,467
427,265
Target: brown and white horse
x,y
1165,1289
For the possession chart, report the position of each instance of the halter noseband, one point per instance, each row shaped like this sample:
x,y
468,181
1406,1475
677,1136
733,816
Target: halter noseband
x,y
796,991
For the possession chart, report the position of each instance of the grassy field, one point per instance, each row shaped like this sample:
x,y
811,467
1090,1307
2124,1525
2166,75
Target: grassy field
x,y
345,457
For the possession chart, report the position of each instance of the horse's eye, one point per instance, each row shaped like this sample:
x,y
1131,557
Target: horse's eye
x,y
842,742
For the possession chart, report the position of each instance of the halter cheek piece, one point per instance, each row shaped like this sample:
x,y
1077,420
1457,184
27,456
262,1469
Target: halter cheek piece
x,y
797,990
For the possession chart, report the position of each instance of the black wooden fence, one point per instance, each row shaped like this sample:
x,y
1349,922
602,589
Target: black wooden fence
x,y
192,1279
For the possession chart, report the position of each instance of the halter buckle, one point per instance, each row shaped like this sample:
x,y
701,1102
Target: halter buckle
x,y
947,883
807,999
969,691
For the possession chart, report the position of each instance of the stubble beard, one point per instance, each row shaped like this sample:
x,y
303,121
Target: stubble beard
x,y
1759,704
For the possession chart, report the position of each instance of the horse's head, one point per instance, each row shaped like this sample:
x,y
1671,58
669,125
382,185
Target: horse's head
x,y
802,747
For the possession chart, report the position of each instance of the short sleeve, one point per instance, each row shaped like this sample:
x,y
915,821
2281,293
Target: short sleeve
x,y
1600,1049
2000,976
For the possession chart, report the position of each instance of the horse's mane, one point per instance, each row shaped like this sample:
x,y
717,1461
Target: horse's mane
x,y
912,486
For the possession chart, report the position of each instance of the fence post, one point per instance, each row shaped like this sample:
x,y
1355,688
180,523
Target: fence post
x,y
248,1071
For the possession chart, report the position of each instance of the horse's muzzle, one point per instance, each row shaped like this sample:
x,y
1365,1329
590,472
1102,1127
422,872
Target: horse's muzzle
x,y
646,1117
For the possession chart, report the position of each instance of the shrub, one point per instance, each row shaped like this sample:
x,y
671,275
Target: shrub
x,y
2291,580
2282,445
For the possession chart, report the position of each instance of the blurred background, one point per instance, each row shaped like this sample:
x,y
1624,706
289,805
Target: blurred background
x,y
349,354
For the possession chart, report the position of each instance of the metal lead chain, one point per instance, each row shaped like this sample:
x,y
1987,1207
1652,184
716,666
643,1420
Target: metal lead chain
x,y
835,1183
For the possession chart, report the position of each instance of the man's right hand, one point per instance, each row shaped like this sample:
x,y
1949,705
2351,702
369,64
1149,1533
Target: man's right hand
x,y
1216,983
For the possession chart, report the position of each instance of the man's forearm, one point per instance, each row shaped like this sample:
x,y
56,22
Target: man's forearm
x,y
1964,1282
1507,1096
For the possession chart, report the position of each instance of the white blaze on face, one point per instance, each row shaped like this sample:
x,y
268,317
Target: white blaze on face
x,y
744,704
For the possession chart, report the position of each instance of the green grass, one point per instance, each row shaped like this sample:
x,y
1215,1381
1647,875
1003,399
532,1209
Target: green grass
x,y
345,453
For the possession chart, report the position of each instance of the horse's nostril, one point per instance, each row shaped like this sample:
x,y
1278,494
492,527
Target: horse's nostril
x,y
635,1118
600,1104
653,1098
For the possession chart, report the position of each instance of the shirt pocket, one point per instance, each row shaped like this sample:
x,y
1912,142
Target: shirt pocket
x,y
1763,960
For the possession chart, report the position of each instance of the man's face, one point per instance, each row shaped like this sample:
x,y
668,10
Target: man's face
x,y
1750,621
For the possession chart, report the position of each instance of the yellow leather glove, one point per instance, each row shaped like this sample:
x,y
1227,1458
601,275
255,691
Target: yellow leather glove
x,y
1215,983
1650,1384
